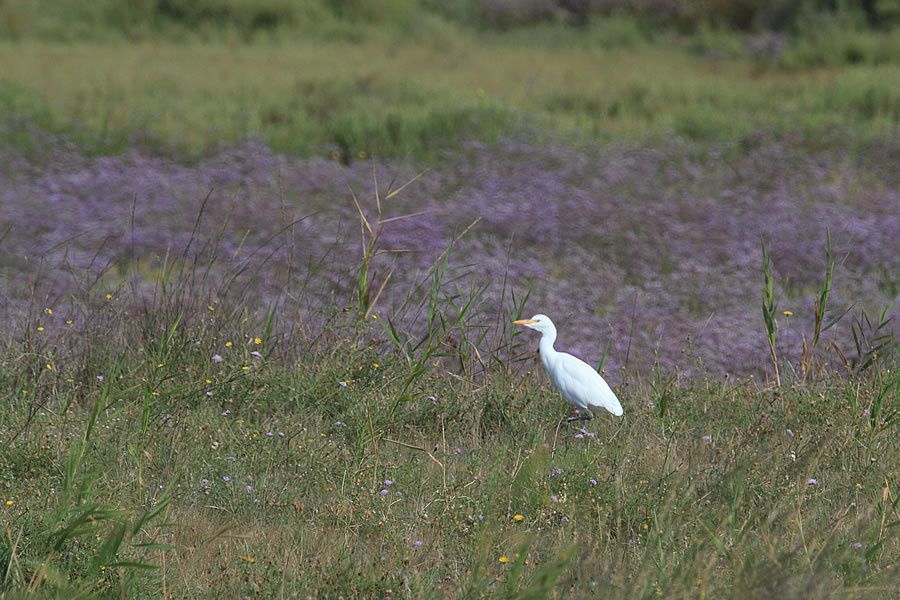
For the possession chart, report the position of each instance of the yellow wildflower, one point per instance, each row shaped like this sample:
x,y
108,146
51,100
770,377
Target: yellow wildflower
x,y
40,329
518,518
49,311
69,322
210,308
49,367
249,559
9,502
257,341
504,559
108,296
228,344
788,313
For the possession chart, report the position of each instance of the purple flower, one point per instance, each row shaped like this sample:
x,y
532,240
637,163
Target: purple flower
x,y
564,520
707,438
579,436
593,482
480,518
556,472
226,478
554,498
585,432
388,482
789,432
204,483
256,353
281,434
248,488
457,451
166,418
226,413
209,393
432,398
269,434
812,481
340,424
342,383
417,544
216,358
100,378
714,248
383,493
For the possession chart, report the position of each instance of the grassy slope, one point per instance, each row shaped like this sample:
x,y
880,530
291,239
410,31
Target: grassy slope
x,y
410,96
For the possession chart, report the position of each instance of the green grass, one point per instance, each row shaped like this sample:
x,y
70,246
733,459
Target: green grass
x,y
116,485
409,96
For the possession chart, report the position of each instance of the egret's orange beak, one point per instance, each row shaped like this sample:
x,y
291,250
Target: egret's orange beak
x,y
524,322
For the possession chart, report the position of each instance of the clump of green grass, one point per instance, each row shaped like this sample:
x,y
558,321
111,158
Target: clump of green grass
x,y
769,311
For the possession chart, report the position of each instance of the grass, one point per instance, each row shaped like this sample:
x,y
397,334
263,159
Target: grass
x,y
410,96
158,443
273,481
174,428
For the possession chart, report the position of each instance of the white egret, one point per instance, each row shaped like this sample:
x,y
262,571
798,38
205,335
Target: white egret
x,y
579,383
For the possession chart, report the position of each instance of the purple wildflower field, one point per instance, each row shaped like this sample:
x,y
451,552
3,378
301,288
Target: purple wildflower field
x,y
653,248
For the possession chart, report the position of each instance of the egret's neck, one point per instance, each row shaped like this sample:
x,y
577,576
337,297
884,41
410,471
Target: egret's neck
x,y
547,340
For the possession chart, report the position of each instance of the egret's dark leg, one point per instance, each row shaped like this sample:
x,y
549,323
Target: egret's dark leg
x,y
580,416
576,417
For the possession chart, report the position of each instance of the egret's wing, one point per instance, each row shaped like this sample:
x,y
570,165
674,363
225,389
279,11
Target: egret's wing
x,y
581,383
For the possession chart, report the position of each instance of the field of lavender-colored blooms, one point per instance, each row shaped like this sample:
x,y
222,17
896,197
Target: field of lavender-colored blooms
x,y
260,259
654,251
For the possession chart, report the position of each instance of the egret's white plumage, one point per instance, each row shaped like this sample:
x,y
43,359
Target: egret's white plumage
x,y
579,383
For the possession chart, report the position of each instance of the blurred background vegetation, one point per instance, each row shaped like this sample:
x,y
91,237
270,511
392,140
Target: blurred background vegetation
x,y
407,78
135,19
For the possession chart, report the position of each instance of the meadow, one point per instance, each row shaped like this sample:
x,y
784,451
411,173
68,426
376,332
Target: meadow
x,y
408,94
259,264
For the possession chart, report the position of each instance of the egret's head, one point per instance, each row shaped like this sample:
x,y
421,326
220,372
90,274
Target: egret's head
x,y
540,323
